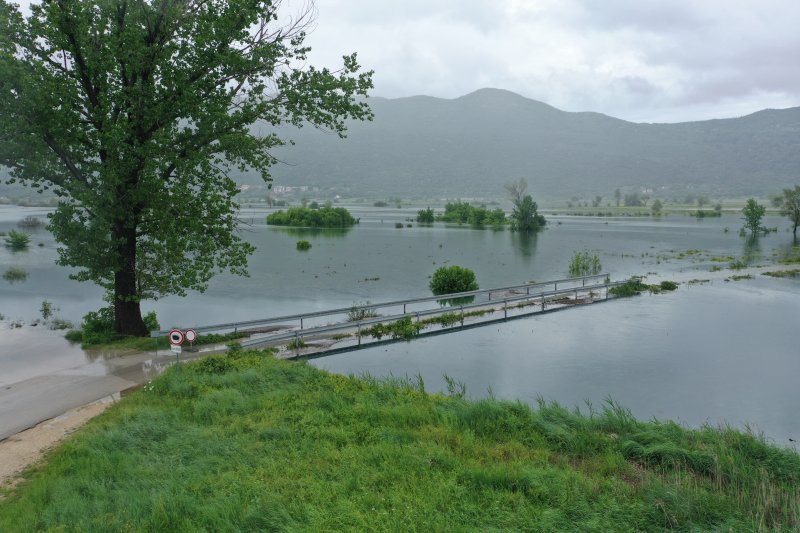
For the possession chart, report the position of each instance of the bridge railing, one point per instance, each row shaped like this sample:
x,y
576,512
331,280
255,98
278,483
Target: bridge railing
x,y
359,325
302,317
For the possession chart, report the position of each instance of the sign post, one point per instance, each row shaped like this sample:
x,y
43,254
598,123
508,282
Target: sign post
x,y
191,336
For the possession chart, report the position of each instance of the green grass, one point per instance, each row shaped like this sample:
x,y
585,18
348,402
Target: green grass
x,y
145,344
250,443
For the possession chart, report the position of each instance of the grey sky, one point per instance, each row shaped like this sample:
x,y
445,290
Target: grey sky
x,y
640,60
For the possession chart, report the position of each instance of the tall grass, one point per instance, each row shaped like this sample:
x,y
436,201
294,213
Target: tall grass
x,y
250,443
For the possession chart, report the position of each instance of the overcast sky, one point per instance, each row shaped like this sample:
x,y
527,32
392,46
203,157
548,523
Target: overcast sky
x,y
640,60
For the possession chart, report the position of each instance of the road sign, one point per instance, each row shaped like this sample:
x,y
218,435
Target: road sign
x,y
176,337
191,335
176,348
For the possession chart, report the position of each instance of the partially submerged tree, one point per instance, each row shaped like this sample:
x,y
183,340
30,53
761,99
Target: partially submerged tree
x,y
753,213
135,112
525,215
790,207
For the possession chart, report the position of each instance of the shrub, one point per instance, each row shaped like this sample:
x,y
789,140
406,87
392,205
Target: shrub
x,y
15,274
668,285
303,245
47,310
425,216
584,264
450,279
324,217
98,327
380,203
17,240
632,287
398,225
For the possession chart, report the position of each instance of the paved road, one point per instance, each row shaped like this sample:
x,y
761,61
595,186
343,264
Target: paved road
x,y
26,403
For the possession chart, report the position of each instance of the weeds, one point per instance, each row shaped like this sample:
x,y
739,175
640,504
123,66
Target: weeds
x,y
792,273
361,311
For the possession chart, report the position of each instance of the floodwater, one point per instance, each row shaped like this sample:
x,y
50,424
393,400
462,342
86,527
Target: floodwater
x,y
712,353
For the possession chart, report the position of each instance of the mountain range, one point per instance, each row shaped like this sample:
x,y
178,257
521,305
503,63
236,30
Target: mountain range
x,y
470,146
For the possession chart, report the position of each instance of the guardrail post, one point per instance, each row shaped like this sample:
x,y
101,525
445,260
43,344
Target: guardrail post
x,y
542,302
462,316
301,322
528,291
490,295
583,282
505,309
404,308
297,342
359,333
555,285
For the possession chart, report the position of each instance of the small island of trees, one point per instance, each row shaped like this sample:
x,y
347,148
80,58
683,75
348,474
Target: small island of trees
x,y
324,217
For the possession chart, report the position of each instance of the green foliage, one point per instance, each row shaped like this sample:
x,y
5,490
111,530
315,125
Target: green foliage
x,y
668,285
15,274
97,328
425,216
399,225
382,455
17,241
632,287
790,206
584,264
380,203
46,310
303,245
454,278
296,344
525,216
405,328
136,114
753,214
657,207
464,213
304,217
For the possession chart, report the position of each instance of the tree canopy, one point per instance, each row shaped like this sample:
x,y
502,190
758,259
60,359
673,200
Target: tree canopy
x,y
136,111
753,213
790,206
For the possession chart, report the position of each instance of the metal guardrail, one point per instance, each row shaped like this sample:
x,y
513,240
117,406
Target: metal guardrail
x,y
297,334
343,310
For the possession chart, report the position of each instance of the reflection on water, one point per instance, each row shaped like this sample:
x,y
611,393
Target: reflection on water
x,y
751,252
525,243
312,232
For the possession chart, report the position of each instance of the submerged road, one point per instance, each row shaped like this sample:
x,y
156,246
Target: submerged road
x,y
31,393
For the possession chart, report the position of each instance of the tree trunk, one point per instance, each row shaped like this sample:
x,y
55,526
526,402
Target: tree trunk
x,y
127,313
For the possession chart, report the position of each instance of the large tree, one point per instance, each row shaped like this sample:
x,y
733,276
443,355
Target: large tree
x,y
135,112
525,215
790,207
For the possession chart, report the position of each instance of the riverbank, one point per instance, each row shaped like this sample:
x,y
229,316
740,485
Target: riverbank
x,y
250,442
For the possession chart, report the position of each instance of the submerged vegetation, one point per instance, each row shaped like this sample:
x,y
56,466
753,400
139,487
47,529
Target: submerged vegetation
x,y
17,241
792,273
584,264
636,286
303,245
253,443
305,217
465,213
15,274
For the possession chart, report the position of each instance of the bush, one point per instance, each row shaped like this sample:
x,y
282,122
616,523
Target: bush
x,y
631,288
450,279
425,216
98,327
17,240
668,285
398,225
324,217
584,264
303,245
360,311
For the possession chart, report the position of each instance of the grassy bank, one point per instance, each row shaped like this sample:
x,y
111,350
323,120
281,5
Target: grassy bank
x,y
247,442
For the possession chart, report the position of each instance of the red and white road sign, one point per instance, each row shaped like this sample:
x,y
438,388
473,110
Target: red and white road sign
x,y
176,337
191,335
